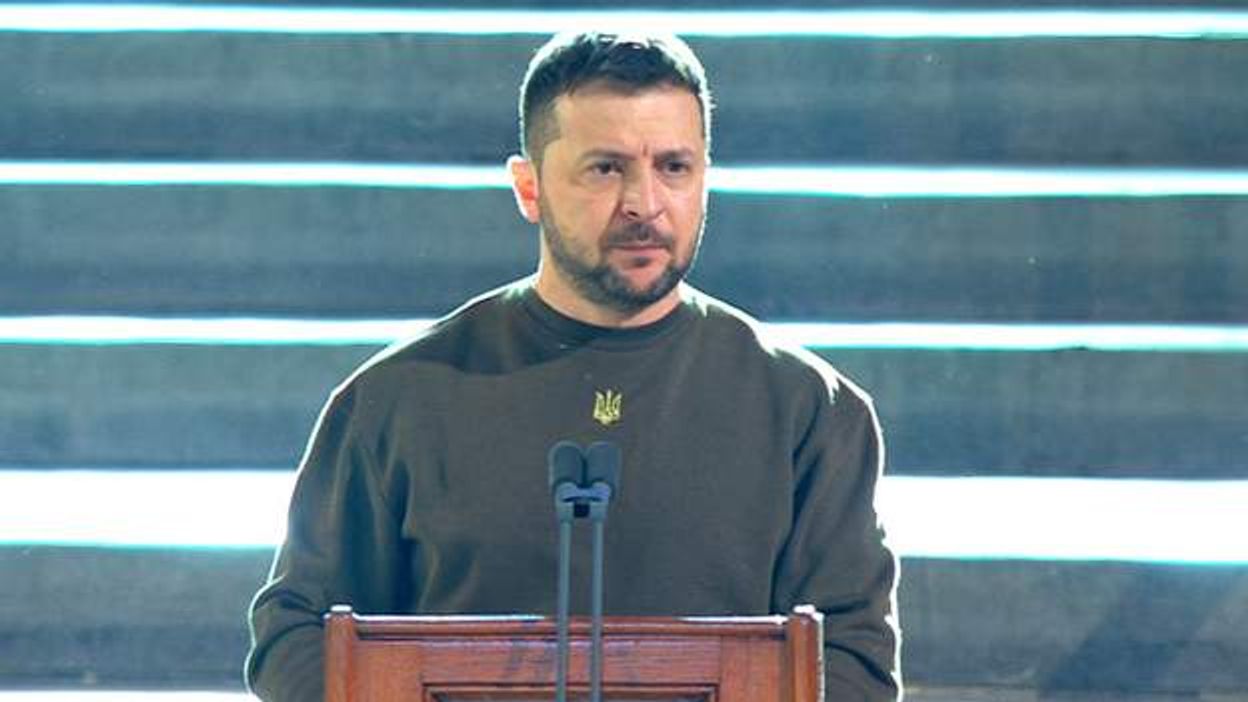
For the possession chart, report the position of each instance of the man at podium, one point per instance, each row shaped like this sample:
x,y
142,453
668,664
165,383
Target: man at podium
x,y
749,468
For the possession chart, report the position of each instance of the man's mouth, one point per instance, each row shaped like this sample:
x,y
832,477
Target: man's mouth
x,y
644,240
636,232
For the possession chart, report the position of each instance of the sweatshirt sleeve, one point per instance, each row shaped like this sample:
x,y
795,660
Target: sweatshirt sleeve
x,y
343,545
836,557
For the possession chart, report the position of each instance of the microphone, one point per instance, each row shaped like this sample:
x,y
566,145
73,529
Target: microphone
x,y
602,468
566,470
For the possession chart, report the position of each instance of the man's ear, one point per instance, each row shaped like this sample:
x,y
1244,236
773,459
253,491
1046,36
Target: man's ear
x,y
525,187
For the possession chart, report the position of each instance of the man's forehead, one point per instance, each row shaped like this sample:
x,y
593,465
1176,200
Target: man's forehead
x,y
604,91
664,116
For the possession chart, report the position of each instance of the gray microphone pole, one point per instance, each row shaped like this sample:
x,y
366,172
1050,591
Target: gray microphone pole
x,y
602,472
566,463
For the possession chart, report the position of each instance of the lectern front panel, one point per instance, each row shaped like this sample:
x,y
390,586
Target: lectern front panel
x,y
657,694
486,659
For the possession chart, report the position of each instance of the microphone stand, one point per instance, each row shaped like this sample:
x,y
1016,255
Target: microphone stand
x,y
602,470
582,483
561,627
595,650
566,463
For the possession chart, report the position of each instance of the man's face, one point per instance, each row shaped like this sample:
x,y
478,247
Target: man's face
x,y
622,195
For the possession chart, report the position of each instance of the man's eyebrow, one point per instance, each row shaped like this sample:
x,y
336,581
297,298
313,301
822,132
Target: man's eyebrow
x,y
610,154
679,152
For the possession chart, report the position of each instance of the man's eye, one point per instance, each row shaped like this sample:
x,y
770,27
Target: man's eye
x,y
605,168
676,167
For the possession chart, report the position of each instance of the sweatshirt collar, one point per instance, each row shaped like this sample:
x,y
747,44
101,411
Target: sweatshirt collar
x,y
573,332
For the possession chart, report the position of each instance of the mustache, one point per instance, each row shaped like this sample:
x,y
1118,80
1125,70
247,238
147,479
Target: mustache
x,y
638,233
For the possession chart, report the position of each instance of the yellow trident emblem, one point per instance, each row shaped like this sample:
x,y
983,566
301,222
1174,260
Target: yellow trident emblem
x,y
607,407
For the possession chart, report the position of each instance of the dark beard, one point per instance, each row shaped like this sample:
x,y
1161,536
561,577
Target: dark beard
x,y
601,284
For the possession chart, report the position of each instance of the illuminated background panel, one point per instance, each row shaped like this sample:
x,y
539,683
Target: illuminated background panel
x,y
946,411
1039,100
394,252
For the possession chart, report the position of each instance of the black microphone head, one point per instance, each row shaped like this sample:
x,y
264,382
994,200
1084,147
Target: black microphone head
x,y
566,462
602,464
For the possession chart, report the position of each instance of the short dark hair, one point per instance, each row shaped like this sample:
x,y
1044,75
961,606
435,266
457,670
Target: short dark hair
x,y
624,62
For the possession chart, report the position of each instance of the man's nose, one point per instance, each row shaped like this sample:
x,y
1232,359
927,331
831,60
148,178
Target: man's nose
x,y
641,200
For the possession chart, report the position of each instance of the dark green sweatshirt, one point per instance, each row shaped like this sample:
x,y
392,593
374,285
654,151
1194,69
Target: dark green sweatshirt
x,y
747,485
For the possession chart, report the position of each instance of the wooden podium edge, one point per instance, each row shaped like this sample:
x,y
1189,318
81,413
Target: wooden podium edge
x,y
801,634
340,632
804,646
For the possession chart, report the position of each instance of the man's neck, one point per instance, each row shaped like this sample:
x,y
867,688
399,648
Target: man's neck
x,y
569,304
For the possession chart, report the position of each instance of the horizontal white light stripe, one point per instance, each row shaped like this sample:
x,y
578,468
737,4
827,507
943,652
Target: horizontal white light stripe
x,y
957,181
1052,519
173,508
1068,519
209,331
1016,337
271,174
830,181
104,330
889,24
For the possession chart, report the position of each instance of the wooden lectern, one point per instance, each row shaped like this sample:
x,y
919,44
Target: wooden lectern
x,y
512,659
